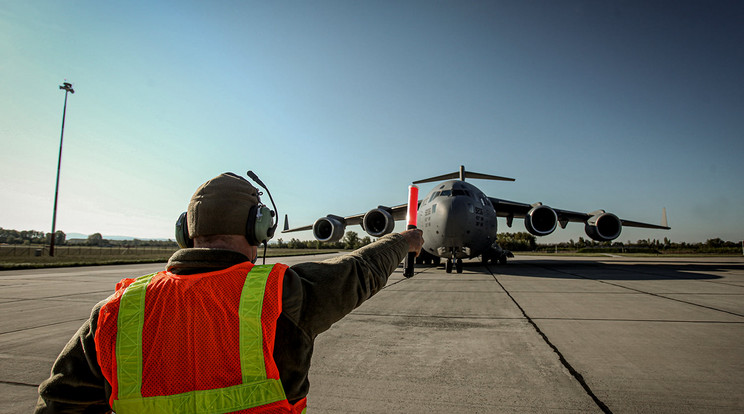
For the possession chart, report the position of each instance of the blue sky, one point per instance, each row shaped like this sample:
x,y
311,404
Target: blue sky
x,y
339,105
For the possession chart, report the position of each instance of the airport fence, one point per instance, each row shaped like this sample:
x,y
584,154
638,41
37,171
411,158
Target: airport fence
x,y
17,251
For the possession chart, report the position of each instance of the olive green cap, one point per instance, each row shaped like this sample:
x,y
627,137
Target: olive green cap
x,y
221,206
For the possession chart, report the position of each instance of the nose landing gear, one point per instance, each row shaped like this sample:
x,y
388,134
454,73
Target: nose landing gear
x,y
458,266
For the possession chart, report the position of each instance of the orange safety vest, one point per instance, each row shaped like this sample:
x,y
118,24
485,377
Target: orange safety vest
x,y
194,343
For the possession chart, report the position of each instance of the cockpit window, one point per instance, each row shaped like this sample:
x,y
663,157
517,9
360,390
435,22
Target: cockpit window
x,y
461,193
446,193
433,196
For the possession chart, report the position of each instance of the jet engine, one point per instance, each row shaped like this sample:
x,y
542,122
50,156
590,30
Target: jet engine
x,y
603,226
378,222
329,229
540,220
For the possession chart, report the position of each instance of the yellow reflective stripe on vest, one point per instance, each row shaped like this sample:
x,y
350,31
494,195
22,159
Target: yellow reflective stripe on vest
x,y
221,400
251,333
256,389
129,326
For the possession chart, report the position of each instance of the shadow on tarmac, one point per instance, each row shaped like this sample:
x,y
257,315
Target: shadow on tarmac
x,y
683,269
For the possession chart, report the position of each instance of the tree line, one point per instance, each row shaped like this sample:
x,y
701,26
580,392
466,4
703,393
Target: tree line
x,y
715,245
29,237
526,242
350,241
521,241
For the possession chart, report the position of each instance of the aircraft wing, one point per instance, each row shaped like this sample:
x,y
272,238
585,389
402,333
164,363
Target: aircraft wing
x,y
398,212
303,228
539,219
513,209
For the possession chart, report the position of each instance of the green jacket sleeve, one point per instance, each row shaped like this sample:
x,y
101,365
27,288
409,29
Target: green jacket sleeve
x,y
331,289
76,384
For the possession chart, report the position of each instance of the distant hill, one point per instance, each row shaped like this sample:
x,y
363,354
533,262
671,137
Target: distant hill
x,y
85,236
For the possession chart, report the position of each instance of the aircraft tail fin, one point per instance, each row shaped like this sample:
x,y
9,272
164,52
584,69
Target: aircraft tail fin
x,y
462,175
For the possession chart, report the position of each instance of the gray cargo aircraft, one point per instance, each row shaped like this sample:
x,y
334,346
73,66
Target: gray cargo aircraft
x,y
459,221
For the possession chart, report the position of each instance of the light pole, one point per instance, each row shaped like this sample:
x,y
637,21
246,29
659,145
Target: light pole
x,y
68,88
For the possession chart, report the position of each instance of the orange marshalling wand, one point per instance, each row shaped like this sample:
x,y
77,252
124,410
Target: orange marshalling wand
x,y
411,220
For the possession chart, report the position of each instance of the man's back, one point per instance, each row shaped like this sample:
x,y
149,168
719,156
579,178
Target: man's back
x,y
212,350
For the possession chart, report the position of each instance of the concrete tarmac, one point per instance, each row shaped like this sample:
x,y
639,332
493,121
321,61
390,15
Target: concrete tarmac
x,y
541,334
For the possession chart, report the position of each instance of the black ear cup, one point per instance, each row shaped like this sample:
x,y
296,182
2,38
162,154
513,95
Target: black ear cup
x,y
182,232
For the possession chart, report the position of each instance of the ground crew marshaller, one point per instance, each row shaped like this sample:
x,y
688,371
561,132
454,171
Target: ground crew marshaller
x,y
215,333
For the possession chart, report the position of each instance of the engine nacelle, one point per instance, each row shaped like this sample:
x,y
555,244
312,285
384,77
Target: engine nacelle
x,y
329,229
541,220
603,227
378,222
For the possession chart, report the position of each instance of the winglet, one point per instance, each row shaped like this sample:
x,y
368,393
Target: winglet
x,y
286,223
664,221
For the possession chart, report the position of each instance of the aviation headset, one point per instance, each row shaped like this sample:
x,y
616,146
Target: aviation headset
x,y
260,227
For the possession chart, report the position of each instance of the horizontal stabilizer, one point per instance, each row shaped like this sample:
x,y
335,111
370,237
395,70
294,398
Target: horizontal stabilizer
x,y
462,175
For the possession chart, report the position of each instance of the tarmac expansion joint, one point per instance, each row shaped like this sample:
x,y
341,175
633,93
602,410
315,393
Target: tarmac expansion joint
x,y
579,378
23,384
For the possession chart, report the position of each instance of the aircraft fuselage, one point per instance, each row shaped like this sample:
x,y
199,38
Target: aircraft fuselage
x,y
458,221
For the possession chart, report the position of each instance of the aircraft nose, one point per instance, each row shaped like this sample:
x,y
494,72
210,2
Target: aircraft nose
x,y
457,218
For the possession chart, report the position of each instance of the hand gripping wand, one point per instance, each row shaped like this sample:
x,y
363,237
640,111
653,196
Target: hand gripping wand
x,y
411,219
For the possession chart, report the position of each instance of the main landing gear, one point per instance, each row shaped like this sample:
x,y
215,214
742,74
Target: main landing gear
x,y
496,255
427,258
